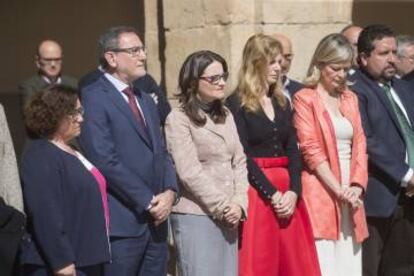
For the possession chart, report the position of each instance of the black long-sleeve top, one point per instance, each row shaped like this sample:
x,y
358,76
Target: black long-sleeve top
x,y
262,137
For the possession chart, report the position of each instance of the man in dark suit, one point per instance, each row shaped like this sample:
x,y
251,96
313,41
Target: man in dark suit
x,y
48,60
290,86
121,135
387,117
146,84
410,78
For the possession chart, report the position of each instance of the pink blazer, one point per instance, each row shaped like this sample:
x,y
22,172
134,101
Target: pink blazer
x,y
317,142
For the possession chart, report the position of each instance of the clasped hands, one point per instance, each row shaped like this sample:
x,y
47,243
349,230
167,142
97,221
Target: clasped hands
x,y
409,190
350,195
232,215
284,204
161,206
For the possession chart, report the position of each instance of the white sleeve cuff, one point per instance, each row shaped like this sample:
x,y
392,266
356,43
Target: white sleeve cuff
x,y
407,177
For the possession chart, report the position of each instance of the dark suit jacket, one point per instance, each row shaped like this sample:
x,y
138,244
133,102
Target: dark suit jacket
x,y
137,166
28,87
410,79
64,208
12,224
146,84
293,87
385,143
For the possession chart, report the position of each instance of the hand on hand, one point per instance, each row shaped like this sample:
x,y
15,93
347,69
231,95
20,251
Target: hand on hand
x,y
409,190
161,206
351,195
66,271
276,197
286,205
233,214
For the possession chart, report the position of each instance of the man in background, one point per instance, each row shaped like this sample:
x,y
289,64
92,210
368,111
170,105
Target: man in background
x,y
405,60
290,86
48,60
351,33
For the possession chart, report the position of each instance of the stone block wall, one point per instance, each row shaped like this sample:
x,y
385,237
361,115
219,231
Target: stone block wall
x,y
225,25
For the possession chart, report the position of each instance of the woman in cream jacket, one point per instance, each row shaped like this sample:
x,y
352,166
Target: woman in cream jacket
x,y
211,166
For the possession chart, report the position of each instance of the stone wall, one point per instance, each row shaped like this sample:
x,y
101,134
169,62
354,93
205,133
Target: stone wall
x,y
225,25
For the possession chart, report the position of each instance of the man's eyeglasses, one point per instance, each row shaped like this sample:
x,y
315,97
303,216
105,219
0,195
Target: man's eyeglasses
x,y
50,60
132,51
215,79
78,111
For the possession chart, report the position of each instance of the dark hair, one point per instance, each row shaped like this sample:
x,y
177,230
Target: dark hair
x,y
109,40
47,108
371,33
190,72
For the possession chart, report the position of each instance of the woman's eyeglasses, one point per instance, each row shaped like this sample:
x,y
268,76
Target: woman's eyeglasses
x,y
215,79
78,111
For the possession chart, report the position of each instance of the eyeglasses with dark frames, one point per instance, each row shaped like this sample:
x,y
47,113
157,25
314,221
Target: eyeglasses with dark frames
x,y
76,112
215,79
132,51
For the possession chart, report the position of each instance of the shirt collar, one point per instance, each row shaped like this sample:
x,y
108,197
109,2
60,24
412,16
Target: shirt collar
x,y
48,81
119,85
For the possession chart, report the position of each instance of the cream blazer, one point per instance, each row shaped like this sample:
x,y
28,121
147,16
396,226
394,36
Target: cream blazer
x,y
210,163
10,188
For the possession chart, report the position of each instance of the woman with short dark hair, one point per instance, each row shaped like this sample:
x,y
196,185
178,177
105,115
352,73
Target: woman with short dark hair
x,y
211,166
65,195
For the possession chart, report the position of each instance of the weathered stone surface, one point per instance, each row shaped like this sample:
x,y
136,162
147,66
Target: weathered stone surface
x,y
181,43
183,14
151,21
153,61
305,11
225,25
217,12
243,11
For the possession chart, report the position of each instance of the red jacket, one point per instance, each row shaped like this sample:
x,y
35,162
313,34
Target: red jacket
x,y
317,142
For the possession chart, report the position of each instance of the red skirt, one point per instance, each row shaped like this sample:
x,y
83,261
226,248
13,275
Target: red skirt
x,y
271,246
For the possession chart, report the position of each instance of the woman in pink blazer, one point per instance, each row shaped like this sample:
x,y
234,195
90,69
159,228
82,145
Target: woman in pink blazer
x,y
333,146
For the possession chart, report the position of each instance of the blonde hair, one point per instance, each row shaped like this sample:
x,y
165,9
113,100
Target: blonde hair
x,y
258,52
333,48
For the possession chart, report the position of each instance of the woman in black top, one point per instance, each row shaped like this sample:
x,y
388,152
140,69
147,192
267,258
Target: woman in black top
x,y
277,237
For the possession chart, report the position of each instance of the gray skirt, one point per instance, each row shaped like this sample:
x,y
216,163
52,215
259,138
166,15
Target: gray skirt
x,y
204,247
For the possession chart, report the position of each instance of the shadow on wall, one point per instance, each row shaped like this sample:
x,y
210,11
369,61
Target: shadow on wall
x,y
75,24
395,14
